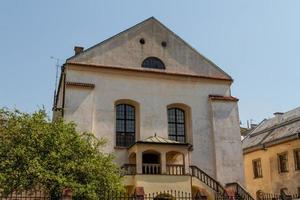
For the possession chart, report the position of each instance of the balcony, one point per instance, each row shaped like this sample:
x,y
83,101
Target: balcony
x,y
156,155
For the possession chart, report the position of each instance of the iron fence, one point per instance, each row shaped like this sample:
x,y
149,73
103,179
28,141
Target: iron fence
x,y
269,196
164,195
31,195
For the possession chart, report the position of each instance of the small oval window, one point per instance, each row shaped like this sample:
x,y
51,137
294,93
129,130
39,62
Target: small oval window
x,y
153,62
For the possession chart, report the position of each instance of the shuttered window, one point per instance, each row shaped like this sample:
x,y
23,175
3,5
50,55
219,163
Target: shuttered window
x,y
257,169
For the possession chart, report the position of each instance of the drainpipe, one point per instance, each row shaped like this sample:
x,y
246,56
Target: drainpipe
x,y
64,90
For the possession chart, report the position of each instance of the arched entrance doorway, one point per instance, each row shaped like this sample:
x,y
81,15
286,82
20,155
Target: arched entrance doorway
x,y
151,162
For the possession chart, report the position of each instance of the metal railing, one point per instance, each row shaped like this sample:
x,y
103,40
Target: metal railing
x,y
165,195
283,196
239,191
29,195
208,180
112,195
175,169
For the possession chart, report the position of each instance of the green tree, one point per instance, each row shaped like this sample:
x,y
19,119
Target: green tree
x,y
35,152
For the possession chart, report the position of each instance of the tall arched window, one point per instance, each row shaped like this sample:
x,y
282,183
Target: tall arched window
x,y
125,125
176,124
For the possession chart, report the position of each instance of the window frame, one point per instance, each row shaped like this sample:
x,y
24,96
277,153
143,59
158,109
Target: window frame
x,y
150,62
280,169
297,159
257,169
176,135
121,136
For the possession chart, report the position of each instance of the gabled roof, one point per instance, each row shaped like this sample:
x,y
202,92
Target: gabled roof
x,y
269,131
124,51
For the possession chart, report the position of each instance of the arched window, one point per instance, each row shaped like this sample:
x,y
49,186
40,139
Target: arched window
x,y
125,125
176,124
153,62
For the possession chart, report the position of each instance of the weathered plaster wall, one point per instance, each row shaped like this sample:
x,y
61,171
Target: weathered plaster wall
x,y
227,141
272,181
126,51
153,184
94,110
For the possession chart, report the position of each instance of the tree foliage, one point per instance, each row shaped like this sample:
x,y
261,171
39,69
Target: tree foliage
x,y
35,152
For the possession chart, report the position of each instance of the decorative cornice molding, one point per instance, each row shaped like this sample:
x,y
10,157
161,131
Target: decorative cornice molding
x,y
78,84
223,98
153,71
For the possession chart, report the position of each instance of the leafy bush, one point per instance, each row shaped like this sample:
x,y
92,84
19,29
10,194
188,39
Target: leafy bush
x,y
35,152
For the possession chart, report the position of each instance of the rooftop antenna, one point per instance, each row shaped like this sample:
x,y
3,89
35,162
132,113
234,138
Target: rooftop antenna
x,y
56,77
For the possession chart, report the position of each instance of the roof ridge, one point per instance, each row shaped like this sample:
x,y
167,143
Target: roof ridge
x,y
276,126
191,47
251,131
109,38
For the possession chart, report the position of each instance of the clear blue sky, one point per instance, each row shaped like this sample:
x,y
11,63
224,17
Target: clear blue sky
x,y
257,42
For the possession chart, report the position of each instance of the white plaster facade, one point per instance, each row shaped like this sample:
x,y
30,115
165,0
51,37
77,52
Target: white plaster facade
x,y
94,81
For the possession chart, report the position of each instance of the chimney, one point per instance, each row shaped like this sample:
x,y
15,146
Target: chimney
x,y
253,126
278,114
78,50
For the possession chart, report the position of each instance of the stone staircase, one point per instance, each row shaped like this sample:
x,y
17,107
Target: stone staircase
x,y
231,190
237,191
207,180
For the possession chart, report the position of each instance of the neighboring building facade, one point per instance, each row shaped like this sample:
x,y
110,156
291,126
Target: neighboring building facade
x,y
272,155
161,105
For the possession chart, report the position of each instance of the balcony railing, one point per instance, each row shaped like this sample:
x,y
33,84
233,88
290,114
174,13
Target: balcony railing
x,y
128,169
175,170
151,168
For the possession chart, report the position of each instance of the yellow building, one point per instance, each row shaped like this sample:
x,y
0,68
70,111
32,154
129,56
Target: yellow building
x,y
165,110
272,155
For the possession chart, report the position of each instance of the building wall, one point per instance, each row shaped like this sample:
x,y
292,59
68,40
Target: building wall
x,y
272,181
94,109
227,142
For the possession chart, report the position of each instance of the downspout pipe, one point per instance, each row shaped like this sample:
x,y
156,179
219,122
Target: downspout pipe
x,y
64,90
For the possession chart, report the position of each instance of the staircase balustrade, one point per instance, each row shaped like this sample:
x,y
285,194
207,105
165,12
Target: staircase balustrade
x,y
240,192
208,180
